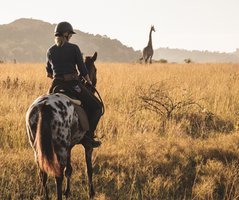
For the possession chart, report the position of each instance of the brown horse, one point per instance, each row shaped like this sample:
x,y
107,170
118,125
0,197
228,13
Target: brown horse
x,y
53,129
92,72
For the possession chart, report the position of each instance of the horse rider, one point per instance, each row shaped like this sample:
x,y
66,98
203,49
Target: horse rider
x,y
62,59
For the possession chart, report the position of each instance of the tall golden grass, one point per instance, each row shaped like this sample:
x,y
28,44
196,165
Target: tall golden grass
x,y
192,154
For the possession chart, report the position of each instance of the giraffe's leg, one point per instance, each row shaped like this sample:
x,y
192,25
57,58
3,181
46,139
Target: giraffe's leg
x,y
68,172
140,60
43,177
88,156
150,60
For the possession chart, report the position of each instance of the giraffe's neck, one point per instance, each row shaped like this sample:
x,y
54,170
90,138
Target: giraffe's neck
x,y
150,39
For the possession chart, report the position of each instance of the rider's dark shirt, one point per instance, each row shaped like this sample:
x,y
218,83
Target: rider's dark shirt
x,y
63,60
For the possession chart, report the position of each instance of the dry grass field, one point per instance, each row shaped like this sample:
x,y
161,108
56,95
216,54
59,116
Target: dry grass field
x,y
170,131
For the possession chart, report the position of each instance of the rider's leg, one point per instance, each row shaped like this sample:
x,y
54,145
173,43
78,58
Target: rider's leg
x,y
94,112
89,136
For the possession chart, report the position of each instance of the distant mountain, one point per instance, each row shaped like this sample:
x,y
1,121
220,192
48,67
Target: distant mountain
x,y
26,40
179,55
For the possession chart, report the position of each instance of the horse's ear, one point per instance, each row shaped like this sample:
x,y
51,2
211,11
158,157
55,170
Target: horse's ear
x,y
94,57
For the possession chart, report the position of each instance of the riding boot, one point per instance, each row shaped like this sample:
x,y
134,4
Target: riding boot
x,y
88,139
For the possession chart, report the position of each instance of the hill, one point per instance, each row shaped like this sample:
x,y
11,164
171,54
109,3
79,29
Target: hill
x,y
179,55
27,40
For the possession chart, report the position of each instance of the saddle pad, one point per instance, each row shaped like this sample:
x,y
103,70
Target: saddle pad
x,y
75,101
80,111
83,117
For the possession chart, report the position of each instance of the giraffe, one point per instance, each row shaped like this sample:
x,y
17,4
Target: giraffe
x,y
148,50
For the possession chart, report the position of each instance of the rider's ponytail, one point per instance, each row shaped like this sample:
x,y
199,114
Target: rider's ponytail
x,y
60,40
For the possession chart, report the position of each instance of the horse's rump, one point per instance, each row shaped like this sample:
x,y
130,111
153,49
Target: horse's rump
x,y
53,126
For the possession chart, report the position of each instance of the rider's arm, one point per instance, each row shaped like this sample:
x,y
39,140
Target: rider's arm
x,y
49,71
79,62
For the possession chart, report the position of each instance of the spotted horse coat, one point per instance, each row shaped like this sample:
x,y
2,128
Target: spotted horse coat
x,y
64,120
54,116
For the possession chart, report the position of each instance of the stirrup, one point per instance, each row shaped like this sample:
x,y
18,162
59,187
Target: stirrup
x,y
89,142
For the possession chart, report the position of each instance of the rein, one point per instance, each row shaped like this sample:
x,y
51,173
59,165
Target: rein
x,y
103,107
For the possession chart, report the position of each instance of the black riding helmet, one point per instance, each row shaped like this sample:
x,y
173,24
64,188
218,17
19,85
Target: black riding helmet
x,y
63,27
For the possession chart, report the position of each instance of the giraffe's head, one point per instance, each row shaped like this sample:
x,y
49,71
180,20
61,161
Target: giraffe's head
x,y
152,28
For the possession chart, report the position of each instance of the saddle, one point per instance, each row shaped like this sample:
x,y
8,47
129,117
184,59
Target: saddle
x,y
67,93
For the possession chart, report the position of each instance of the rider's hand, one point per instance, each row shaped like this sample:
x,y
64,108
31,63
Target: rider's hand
x,y
89,82
88,79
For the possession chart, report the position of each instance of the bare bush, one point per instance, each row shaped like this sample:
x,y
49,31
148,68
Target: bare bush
x,y
160,98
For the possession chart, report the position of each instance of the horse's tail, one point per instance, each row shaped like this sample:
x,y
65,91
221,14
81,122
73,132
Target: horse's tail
x,y
43,142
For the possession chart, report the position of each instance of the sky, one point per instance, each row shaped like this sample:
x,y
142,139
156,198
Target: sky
x,y
211,25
